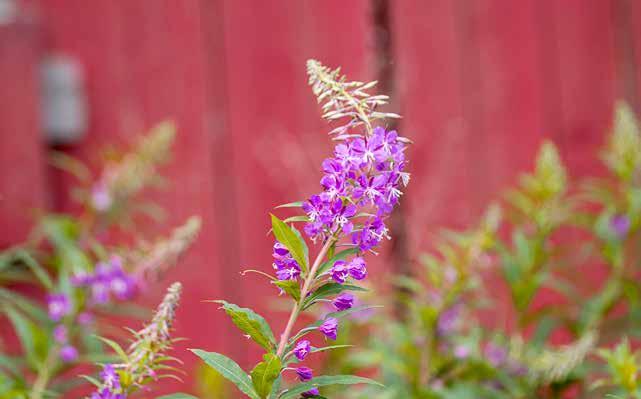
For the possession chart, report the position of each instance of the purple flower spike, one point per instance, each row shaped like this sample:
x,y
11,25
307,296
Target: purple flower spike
x,y
68,354
620,225
304,373
343,301
357,268
302,349
340,271
329,327
60,334
311,393
59,306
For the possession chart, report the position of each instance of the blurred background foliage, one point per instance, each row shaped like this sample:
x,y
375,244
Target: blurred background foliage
x,y
78,274
451,336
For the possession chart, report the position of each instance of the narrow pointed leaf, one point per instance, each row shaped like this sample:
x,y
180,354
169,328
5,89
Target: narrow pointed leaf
x,y
228,369
296,204
327,380
250,323
177,396
265,373
291,287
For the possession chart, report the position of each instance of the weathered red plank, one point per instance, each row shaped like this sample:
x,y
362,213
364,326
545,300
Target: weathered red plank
x,y
584,45
429,62
22,157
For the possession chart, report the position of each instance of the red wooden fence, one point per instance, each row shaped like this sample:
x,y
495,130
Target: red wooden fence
x,y
479,83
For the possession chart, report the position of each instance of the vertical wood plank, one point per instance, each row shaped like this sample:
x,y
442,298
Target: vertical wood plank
x,y
427,47
22,157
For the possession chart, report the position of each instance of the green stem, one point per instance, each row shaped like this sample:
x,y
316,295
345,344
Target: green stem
x,y
44,375
303,294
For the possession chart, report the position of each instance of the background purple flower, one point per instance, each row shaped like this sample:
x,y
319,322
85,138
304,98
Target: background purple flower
x,y
60,334
68,353
495,355
448,320
620,225
59,306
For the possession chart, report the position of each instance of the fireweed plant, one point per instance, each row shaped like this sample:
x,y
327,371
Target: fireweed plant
x,y
145,360
362,183
83,279
547,231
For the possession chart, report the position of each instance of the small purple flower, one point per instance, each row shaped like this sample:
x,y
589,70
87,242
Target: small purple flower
x,y
495,355
302,349
60,334
357,268
305,373
311,393
340,271
100,291
284,264
101,198
81,279
461,352
620,225
343,301
448,320
110,377
85,318
122,285
59,306
68,354
329,327
373,232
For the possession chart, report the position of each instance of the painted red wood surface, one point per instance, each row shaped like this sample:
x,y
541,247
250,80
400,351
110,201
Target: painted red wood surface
x,y
480,84
22,180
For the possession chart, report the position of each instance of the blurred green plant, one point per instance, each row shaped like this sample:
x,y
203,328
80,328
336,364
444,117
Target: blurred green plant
x,y
68,281
447,342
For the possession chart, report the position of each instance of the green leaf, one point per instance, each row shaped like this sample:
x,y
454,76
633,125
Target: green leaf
x,y
250,323
296,204
177,396
341,255
291,287
330,347
328,289
228,369
327,380
36,268
297,218
116,347
265,373
290,239
33,340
